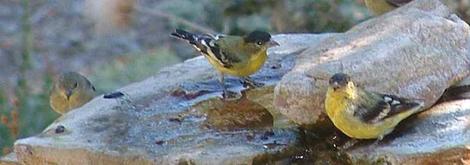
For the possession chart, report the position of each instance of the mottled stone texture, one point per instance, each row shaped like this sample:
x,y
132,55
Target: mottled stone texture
x,y
416,51
175,117
437,136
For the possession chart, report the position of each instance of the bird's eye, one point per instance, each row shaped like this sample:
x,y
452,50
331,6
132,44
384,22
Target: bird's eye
x,y
259,43
75,85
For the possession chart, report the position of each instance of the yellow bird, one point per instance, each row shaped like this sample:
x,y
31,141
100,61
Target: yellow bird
x,y
361,114
238,56
379,7
70,90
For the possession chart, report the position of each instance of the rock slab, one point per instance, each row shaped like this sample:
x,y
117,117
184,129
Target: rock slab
x,y
439,135
416,51
176,117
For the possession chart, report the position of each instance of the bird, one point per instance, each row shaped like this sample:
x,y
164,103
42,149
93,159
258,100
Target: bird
x,y
70,90
379,7
362,114
238,56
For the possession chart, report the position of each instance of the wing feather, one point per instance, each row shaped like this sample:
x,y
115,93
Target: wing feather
x,y
208,46
385,107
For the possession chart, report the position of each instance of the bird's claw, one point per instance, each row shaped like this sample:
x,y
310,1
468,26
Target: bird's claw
x,y
229,95
251,83
377,141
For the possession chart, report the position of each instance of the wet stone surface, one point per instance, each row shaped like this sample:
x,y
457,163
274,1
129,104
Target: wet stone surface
x,y
235,115
175,117
178,116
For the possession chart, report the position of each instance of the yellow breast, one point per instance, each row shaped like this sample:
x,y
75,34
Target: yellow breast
x,y
61,105
243,68
338,109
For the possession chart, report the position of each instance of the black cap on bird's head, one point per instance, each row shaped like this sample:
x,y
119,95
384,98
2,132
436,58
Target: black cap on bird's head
x,y
339,80
260,38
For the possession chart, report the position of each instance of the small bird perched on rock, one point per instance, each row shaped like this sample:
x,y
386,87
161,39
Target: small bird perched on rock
x,y
361,114
70,90
379,7
234,55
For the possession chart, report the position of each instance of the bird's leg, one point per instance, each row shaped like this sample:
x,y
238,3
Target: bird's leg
x,y
226,94
376,142
222,83
250,82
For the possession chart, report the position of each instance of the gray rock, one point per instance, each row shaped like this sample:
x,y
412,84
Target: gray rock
x,y
416,51
176,117
9,159
437,136
464,82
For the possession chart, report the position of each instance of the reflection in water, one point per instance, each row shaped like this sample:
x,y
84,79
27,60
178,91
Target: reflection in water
x,y
244,114
236,115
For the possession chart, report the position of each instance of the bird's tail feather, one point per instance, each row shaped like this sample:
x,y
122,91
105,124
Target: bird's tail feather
x,y
190,37
198,41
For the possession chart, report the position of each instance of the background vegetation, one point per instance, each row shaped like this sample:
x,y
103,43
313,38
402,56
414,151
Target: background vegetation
x,y
118,44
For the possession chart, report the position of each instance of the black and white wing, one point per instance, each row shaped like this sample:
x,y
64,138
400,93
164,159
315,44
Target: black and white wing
x,y
387,106
206,44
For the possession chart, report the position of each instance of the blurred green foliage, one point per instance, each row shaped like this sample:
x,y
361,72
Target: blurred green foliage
x,y
25,113
5,138
242,16
131,68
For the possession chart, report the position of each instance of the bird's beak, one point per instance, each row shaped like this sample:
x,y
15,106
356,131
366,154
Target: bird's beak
x,y
68,93
272,43
335,85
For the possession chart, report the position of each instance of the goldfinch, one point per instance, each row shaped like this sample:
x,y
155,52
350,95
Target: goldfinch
x,y
361,114
379,7
70,90
238,56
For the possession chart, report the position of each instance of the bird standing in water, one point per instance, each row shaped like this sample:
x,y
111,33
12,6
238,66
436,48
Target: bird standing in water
x,y
238,56
70,90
